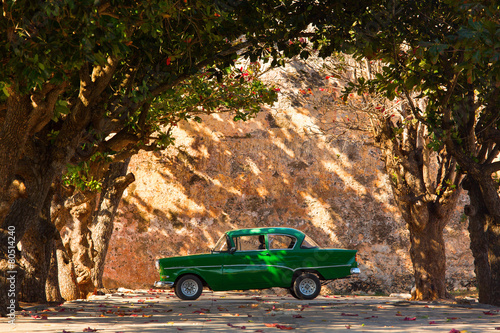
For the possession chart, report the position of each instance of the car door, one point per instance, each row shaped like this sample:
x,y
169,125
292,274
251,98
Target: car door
x,y
247,267
283,259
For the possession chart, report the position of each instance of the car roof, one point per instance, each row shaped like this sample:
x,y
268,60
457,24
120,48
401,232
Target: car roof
x,y
268,230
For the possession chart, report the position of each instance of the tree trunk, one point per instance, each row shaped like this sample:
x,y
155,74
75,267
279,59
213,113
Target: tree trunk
x,y
485,243
115,183
24,219
52,292
36,251
494,259
81,247
428,257
68,286
73,211
425,189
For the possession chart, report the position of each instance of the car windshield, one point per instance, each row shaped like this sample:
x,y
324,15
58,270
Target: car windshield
x,y
222,244
309,243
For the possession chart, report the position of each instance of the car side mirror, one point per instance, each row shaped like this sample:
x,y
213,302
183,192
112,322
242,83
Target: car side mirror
x,y
232,250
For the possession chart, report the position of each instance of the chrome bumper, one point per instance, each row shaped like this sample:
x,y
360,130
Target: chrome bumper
x,y
355,270
163,284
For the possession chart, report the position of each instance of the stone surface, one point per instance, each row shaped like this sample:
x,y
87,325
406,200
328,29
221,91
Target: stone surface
x,y
290,166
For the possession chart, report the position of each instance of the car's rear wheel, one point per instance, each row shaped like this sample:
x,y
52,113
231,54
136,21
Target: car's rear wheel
x,y
306,286
188,287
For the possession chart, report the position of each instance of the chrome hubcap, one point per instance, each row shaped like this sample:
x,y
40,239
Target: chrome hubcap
x,y
189,287
307,286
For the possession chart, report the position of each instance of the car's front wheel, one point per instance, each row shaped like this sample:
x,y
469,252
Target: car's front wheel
x,y
290,290
188,287
306,286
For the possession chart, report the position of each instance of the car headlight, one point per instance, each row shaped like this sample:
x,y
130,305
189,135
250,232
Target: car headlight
x,y
157,263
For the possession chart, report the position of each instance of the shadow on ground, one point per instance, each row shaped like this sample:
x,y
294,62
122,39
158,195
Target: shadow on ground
x,y
160,311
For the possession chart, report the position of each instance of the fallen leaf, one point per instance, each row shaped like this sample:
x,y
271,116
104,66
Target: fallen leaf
x,y
297,316
489,313
281,327
410,319
234,326
454,331
88,329
432,322
349,314
348,327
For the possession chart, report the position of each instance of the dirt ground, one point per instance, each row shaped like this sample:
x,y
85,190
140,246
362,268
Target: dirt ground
x,y
152,311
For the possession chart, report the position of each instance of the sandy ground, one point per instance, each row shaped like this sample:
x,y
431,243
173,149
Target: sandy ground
x,y
160,311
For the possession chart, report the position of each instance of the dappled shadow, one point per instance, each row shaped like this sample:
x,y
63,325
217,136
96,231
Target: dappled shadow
x,y
158,311
290,166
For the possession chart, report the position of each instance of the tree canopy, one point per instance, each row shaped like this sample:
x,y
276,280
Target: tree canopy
x,y
445,55
86,82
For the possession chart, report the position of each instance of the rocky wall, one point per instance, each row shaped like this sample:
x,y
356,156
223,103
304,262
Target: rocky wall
x,y
290,166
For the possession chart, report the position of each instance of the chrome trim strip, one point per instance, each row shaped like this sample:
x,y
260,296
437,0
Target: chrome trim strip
x,y
331,266
293,269
236,265
258,265
217,266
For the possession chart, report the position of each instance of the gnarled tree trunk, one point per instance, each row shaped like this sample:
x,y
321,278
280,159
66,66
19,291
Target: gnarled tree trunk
x,y
424,185
428,255
115,183
485,243
86,226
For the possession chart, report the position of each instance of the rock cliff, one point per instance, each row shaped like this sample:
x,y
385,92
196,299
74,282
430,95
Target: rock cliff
x,y
290,166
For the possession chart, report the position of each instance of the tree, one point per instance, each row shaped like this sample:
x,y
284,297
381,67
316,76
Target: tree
x,y
80,84
446,54
424,182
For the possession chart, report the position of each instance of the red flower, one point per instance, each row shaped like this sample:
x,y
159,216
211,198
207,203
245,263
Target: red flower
x,y
168,61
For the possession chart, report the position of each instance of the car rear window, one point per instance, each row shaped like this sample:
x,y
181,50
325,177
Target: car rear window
x,y
309,243
280,242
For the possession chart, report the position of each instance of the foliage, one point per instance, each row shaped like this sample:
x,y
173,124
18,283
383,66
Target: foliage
x,y
442,58
168,61
445,53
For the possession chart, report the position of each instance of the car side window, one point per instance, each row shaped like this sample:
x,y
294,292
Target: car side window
x,y
309,243
250,243
280,242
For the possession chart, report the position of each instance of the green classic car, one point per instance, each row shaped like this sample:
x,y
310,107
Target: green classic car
x,y
258,258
